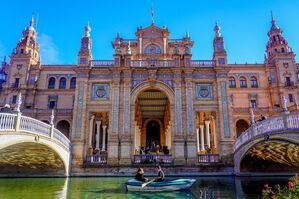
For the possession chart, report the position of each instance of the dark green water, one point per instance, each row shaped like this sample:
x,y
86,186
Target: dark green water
x,y
99,187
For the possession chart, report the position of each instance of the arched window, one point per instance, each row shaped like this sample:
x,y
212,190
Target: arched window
x,y
241,126
73,83
232,82
62,83
64,127
253,81
152,49
243,83
51,84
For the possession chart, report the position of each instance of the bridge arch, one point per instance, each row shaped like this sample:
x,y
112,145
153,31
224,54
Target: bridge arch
x,y
18,140
272,140
17,131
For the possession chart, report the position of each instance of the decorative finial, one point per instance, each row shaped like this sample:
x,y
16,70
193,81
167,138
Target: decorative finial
x,y
284,103
272,18
118,35
152,14
87,30
52,117
19,103
187,34
129,52
32,21
217,30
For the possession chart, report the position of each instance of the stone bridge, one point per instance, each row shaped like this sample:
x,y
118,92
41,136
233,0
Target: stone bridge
x,y
273,142
27,144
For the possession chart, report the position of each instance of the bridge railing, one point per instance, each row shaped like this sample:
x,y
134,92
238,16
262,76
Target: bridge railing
x,y
276,123
16,122
7,121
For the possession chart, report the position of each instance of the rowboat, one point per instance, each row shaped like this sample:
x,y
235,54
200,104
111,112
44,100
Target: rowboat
x,y
167,185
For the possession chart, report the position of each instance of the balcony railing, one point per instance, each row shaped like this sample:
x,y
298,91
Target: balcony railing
x,y
208,158
152,63
96,159
15,86
289,83
152,159
202,63
102,63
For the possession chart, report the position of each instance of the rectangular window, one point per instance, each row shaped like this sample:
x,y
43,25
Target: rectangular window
x,y
52,102
17,83
291,99
253,103
272,78
82,60
221,61
14,99
288,82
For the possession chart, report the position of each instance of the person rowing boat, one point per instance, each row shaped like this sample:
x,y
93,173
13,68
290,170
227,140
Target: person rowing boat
x,y
161,175
140,175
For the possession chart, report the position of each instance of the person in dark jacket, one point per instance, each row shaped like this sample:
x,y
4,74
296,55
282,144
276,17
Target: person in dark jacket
x,y
160,177
139,175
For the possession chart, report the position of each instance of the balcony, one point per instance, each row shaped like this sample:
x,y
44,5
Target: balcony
x,y
102,63
208,158
202,63
152,159
152,63
96,160
15,86
289,84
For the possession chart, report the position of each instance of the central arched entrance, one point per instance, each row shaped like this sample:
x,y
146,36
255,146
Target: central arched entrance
x,y
152,122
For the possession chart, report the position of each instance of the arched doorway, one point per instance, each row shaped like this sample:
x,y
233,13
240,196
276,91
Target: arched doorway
x,y
241,126
153,133
64,127
152,120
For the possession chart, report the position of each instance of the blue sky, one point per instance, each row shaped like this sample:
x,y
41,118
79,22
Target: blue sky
x,y
244,25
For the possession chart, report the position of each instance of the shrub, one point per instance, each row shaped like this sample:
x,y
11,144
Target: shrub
x,y
291,191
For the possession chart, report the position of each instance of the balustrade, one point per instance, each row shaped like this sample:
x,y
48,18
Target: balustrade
x,y
102,63
9,122
152,158
202,63
152,63
208,158
96,159
272,124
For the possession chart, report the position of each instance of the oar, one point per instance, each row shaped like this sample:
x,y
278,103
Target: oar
x,y
146,183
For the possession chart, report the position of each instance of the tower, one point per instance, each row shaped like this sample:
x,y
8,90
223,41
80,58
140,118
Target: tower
x,y
85,54
277,45
24,58
219,55
282,73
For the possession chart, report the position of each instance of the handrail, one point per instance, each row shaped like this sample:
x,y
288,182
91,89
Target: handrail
x,y
17,122
152,158
208,158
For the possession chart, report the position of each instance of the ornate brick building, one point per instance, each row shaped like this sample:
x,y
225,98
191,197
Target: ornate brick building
x,y
151,96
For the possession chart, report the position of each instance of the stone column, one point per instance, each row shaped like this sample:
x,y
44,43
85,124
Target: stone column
x,y
98,134
90,133
207,123
214,133
104,138
197,140
202,138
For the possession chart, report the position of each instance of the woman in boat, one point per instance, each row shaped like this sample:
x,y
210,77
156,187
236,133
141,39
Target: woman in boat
x,y
161,176
139,175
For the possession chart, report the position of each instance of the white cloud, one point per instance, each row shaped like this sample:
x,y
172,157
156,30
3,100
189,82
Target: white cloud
x,y
48,50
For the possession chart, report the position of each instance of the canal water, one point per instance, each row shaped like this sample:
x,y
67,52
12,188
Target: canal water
x,y
113,187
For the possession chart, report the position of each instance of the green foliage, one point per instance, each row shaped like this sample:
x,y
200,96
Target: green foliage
x,y
291,191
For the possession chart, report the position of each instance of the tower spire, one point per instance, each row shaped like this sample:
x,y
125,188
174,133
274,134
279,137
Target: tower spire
x,y
152,14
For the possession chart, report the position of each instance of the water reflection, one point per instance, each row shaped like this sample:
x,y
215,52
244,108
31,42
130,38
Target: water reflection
x,y
63,188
